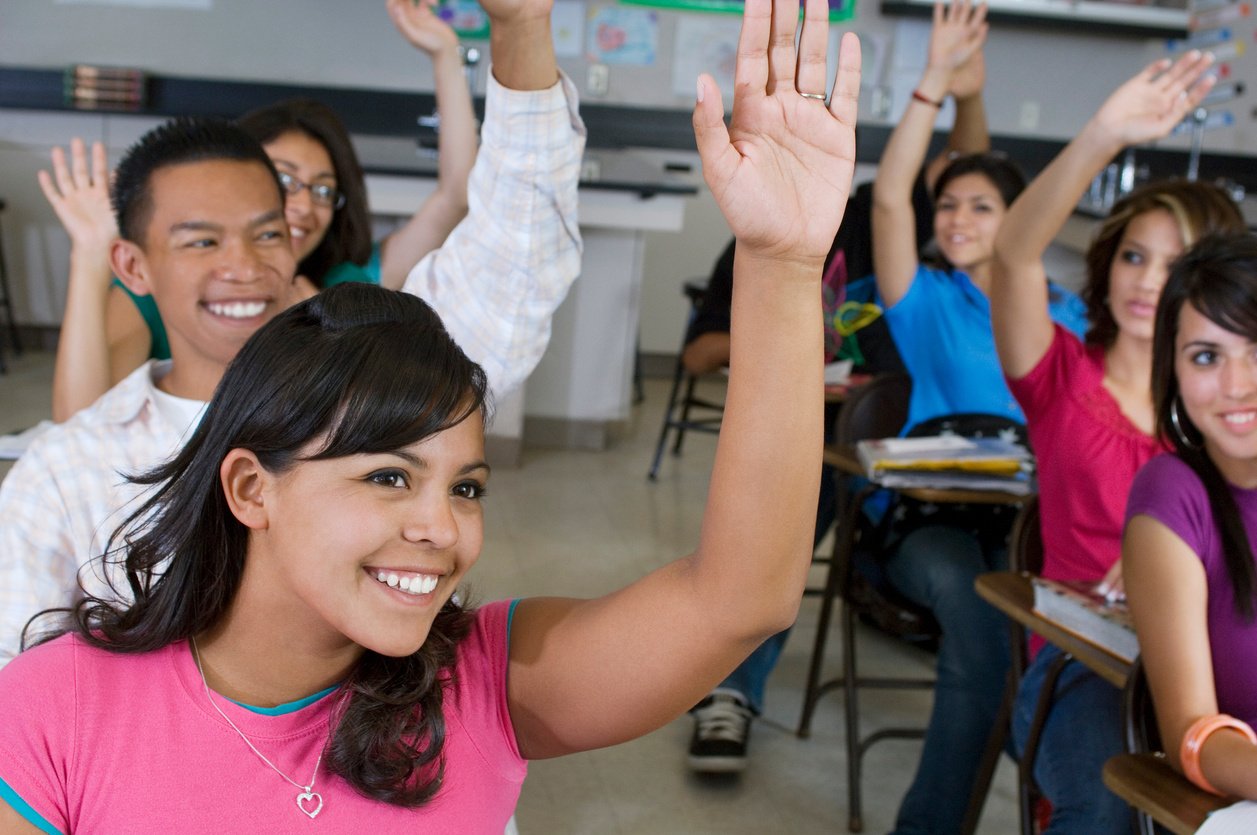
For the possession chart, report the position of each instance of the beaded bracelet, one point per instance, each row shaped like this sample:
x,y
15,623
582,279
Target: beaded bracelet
x,y
924,99
1194,741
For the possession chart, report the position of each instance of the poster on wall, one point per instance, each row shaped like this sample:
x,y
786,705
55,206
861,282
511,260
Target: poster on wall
x,y
705,45
567,22
838,9
616,35
465,17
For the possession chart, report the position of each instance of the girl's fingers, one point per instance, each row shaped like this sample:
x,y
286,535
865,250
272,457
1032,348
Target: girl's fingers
x,y
781,54
845,100
750,74
813,46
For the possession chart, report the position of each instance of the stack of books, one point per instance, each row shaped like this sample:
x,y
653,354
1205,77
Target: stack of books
x,y
948,462
1078,607
104,88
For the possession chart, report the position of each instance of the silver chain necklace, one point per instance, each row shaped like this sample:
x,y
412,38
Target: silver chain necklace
x,y
309,801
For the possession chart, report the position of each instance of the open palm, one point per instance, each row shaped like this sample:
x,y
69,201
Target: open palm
x,y
1148,106
782,170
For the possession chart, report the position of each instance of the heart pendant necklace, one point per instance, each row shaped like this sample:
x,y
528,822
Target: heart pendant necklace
x,y
309,801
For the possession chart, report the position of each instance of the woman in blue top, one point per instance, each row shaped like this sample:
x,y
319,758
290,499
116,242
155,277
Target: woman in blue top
x,y
940,320
107,331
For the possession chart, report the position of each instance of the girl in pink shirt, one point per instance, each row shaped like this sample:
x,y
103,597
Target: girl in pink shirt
x,y
301,553
1088,405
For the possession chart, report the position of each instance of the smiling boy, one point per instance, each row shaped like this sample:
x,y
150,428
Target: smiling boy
x,y
201,218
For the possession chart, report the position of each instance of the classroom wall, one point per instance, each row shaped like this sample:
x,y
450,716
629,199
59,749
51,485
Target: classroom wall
x,y
332,42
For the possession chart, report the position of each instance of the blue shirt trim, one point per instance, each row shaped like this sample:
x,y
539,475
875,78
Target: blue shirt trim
x,y
288,707
510,618
24,809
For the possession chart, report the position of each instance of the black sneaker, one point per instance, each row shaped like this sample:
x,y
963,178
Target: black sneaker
x,y
722,723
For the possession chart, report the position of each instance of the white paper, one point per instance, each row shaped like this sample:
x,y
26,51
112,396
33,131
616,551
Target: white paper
x,y
705,45
1237,819
837,373
567,21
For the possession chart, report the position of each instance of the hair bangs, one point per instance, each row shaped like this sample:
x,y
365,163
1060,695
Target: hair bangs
x,y
397,397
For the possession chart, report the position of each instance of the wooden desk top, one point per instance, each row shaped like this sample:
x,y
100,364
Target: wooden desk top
x,y
1148,782
1013,594
845,460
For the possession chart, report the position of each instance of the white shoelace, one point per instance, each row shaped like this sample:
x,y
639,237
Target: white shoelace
x,y
724,719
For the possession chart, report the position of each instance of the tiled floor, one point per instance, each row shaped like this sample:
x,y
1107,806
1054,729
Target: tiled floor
x,y
583,523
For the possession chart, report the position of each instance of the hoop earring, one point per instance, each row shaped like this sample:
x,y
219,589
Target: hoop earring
x,y
1177,425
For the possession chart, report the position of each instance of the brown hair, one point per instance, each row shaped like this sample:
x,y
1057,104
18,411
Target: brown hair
x,y
1198,209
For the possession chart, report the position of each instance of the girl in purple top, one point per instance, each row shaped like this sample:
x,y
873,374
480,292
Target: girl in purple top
x,y
1187,554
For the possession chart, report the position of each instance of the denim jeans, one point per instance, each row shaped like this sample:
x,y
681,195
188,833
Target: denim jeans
x,y
1083,729
935,567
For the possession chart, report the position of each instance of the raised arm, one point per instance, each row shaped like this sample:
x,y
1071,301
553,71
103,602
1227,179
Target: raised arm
x,y
957,35
98,344
498,278
456,143
1168,594
585,674
969,131
1145,108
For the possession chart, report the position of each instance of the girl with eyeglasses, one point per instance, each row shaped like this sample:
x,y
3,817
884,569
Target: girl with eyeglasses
x,y
1088,402
107,331
295,649
1187,552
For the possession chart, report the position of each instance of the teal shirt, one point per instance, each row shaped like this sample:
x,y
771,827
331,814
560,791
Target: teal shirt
x,y
159,346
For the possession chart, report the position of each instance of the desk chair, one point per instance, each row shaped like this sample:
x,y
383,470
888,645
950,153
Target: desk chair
x,y
6,303
875,410
1143,778
682,399
1025,556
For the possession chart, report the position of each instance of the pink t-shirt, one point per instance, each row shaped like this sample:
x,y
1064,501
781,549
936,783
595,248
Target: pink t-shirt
x,y
94,741
1088,453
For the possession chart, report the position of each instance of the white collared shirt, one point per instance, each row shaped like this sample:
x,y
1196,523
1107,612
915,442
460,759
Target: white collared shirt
x,y
495,282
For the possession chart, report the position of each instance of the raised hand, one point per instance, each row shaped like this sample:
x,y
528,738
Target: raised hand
x,y
1148,106
956,38
782,170
79,194
419,24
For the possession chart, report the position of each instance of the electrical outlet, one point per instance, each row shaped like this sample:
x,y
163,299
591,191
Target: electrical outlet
x,y
1029,118
597,79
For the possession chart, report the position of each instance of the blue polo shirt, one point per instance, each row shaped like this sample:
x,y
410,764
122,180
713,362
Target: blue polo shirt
x,y
942,327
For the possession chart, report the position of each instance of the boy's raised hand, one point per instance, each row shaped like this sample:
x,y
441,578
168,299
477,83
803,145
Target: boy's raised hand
x,y
781,171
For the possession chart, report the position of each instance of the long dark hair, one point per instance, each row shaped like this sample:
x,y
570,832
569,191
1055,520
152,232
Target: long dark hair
x,y
1217,277
348,238
1198,209
372,370
999,171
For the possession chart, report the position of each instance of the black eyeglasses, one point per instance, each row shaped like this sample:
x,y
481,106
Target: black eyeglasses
x,y
320,193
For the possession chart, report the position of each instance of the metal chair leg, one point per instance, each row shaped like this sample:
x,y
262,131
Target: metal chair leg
x,y
667,420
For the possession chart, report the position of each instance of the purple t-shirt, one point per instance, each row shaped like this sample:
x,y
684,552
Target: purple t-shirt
x,y
1167,490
